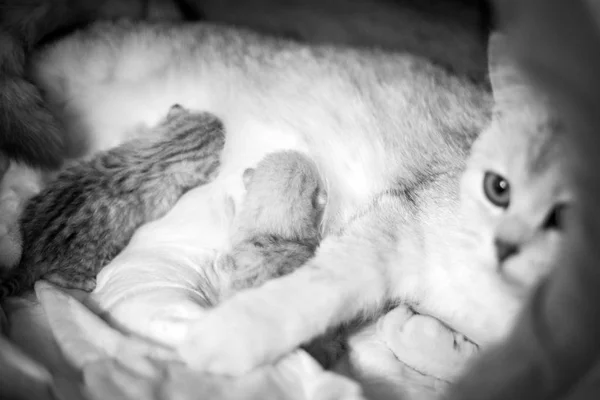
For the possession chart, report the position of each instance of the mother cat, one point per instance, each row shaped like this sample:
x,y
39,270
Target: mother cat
x,y
389,133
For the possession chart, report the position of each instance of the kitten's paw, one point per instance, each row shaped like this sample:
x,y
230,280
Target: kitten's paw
x,y
232,340
18,185
79,282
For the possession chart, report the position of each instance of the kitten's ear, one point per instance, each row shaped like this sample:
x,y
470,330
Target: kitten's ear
x,y
507,79
320,199
247,177
175,110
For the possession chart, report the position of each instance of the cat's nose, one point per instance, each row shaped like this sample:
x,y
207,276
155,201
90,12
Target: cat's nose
x,y
505,249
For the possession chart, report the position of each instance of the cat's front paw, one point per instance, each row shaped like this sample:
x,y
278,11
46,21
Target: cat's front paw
x,y
233,339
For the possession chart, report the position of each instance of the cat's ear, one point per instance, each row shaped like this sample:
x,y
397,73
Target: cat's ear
x,y
507,79
247,177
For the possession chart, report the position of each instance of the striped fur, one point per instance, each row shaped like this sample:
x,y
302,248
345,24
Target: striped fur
x,y
83,219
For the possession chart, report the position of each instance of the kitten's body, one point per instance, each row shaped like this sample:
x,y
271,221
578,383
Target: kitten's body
x,y
77,225
394,229
276,231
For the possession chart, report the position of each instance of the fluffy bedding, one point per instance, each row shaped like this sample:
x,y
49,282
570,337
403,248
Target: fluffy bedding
x,y
148,292
117,341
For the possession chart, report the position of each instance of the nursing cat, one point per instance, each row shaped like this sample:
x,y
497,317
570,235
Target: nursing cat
x,y
75,226
392,230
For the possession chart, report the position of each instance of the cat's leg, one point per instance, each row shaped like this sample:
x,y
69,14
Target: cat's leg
x,y
348,277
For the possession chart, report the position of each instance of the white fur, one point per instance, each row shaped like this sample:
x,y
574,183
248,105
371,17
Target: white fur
x,y
369,120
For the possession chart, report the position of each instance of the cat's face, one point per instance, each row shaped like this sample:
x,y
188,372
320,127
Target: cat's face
x,y
514,191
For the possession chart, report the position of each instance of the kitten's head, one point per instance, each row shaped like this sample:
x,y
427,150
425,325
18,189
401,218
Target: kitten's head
x,y
514,190
285,196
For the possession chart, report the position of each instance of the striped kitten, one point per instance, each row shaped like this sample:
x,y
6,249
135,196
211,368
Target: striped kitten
x,y
86,216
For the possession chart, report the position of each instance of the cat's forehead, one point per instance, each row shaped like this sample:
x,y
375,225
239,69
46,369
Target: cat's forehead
x,y
524,144
534,135
526,136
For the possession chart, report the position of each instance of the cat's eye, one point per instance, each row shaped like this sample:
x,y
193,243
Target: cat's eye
x,y
496,189
556,217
